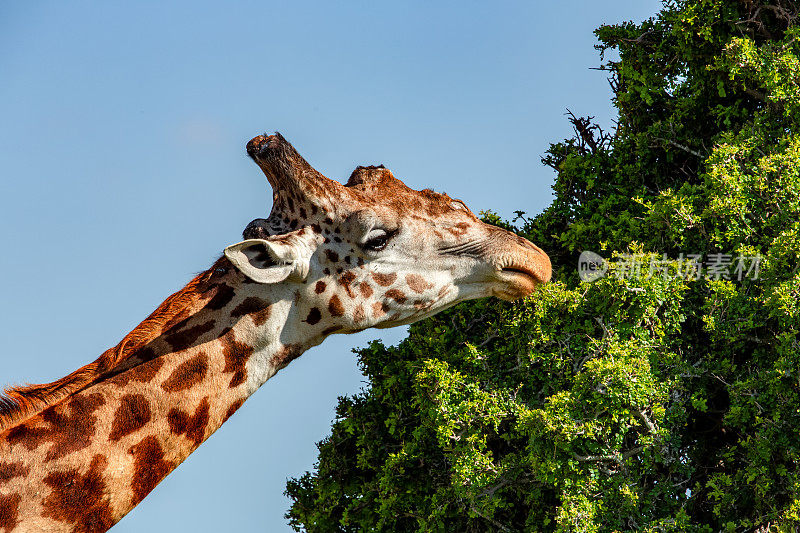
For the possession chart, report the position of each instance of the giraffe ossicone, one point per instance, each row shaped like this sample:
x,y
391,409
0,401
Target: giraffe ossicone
x,y
79,453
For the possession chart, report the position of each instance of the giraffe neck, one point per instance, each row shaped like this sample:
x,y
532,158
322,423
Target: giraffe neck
x,y
84,462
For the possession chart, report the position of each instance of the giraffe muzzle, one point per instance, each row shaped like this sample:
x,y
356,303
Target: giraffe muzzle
x,y
521,265
521,278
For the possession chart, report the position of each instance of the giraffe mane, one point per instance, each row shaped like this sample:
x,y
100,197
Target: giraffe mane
x,y
22,402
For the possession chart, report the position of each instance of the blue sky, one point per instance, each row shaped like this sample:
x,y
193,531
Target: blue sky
x,y
124,172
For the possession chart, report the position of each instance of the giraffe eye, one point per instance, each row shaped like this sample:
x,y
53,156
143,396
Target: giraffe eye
x,y
377,240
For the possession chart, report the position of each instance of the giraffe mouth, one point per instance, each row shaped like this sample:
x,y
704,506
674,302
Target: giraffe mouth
x,y
521,271
518,282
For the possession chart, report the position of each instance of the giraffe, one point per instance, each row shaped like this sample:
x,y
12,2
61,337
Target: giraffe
x,y
79,453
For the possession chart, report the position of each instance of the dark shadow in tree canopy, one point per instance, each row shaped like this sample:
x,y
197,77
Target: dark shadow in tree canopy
x,y
655,400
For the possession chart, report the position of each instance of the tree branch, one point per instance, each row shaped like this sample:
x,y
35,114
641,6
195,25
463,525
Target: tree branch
x,y
489,519
681,147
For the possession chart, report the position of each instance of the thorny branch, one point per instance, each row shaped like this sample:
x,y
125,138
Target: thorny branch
x,y
591,137
616,458
681,147
785,11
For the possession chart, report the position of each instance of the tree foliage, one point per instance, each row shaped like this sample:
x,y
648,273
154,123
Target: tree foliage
x,y
647,401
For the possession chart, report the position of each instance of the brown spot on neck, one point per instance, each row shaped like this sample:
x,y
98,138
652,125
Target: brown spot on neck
x,y
232,409
193,427
80,499
9,471
69,426
236,356
222,297
149,467
257,308
131,415
187,374
142,373
9,511
186,338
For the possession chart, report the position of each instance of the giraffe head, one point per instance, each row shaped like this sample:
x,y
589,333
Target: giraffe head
x,y
373,252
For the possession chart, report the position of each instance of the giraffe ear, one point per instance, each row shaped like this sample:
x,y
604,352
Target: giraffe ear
x,y
267,261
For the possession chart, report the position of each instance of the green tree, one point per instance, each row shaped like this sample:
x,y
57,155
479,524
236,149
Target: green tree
x,y
652,399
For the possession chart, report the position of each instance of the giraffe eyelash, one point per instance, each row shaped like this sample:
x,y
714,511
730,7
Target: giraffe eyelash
x,y
380,241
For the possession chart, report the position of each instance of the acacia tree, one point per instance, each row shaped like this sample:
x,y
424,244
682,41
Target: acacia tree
x,y
664,396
